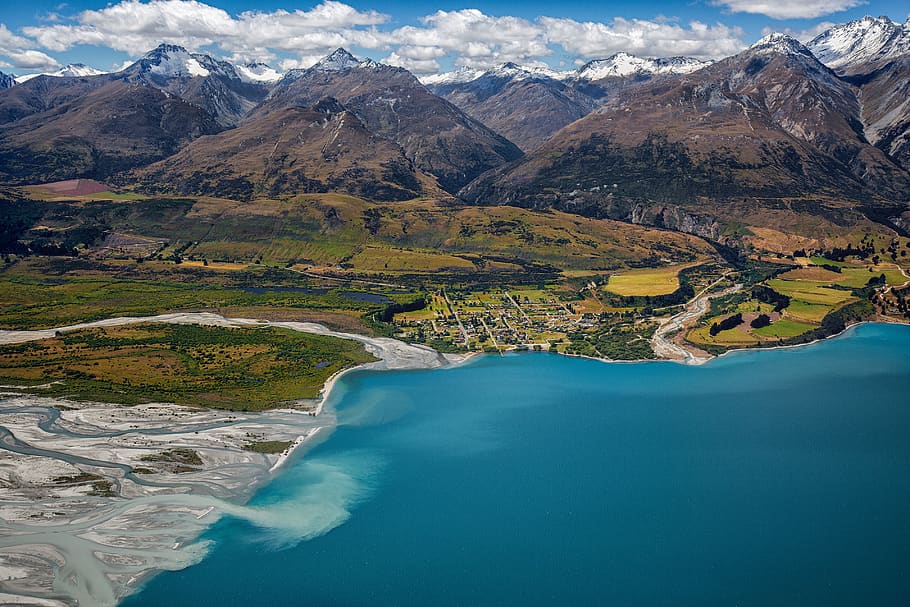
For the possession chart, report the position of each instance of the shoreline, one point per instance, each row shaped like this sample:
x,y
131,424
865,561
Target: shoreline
x,y
186,501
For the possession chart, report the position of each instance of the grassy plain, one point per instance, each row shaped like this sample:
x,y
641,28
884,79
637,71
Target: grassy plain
x,y
43,293
784,328
647,281
236,368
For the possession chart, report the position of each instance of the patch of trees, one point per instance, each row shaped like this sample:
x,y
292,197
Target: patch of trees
x,y
762,320
768,295
760,271
372,220
836,321
872,285
388,313
841,253
728,323
734,256
16,217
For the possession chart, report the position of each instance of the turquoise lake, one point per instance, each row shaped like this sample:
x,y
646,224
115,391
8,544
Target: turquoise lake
x,y
762,478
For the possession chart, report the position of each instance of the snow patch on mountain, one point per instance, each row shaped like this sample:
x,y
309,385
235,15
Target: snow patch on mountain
x,y
176,63
172,61
258,73
506,71
460,76
781,43
622,65
619,65
866,39
339,61
73,70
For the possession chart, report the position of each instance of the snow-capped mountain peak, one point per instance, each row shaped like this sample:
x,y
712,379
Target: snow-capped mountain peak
x,y
505,71
459,76
258,73
866,39
523,72
340,60
624,64
618,65
777,42
173,61
73,70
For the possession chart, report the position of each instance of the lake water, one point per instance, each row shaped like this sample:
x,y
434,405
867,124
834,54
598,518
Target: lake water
x,y
762,478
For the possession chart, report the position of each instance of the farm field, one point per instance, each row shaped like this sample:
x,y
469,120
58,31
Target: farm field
x,y
736,337
645,282
784,328
372,259
814,290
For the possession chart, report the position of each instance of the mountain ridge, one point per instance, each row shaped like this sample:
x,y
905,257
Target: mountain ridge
x,y
769,123
436,136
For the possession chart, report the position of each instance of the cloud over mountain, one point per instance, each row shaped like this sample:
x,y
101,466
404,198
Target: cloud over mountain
x,y
465,37
15,48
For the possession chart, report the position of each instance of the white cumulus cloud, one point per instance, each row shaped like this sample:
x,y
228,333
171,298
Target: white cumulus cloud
x,y
31,60
16,50
641,37
135,27
789,9
298,38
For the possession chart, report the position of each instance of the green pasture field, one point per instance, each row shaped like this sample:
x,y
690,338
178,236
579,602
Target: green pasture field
x,y
784,328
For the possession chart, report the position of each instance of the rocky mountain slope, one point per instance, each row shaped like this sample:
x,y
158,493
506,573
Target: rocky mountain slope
x,y
43,93
436,136
199,79
292,151
873,54
7,81
106,130
769,123
526,106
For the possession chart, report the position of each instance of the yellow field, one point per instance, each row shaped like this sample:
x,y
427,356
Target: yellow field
x,y
650,281
809,292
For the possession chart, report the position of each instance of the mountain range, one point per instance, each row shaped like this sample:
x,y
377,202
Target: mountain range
x,y
778,131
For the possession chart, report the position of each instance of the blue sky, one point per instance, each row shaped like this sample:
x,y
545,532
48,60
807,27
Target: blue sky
x,y
422,35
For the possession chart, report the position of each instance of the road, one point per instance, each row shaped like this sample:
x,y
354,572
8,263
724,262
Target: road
x,y
517,307
464,332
